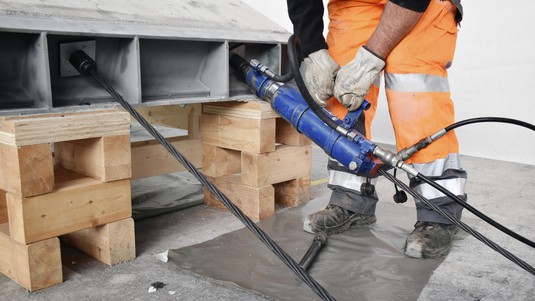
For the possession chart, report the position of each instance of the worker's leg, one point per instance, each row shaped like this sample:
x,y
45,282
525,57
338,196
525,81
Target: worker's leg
x,y
351,24
419,102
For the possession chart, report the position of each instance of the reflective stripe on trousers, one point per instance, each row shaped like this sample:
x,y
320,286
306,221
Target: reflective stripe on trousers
x,y
345,186
446,172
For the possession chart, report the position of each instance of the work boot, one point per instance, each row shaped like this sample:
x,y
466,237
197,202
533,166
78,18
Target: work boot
x,y
335,219
429,240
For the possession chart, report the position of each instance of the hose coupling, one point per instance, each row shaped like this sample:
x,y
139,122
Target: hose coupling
x,y
262,68
407,152
393,160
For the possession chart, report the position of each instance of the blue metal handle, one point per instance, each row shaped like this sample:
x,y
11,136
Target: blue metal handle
x,y
351,117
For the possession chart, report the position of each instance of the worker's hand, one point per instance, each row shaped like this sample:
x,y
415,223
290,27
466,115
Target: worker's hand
x,y
320,73
355,79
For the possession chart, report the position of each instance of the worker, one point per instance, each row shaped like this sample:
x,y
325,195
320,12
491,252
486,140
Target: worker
x,y
411,42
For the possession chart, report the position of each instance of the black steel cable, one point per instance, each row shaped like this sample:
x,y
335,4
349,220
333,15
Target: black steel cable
x,y
490,119
460,224
89,69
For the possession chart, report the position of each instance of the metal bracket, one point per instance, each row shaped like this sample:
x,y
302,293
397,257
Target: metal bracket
x,y
351,117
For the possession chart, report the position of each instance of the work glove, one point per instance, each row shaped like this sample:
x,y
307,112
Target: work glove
x,y
355,79
320,72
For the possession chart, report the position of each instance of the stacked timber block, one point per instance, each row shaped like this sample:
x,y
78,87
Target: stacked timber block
x,y
254,157
68,176
150,158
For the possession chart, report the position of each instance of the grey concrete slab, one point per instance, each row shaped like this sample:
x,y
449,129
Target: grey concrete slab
x,y
207,19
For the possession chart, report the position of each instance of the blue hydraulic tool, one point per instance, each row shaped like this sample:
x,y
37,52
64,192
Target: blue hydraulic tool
x,y
343,143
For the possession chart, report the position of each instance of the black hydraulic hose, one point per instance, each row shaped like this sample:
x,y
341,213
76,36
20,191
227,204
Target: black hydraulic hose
x,y
294,47
459,223
407,152
294,56
476,212
490,119
283,78
83,63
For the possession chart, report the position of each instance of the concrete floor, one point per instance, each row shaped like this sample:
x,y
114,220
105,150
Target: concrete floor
x,y
472,271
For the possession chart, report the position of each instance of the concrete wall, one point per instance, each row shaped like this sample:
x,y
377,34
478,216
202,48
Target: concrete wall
x,y
493,75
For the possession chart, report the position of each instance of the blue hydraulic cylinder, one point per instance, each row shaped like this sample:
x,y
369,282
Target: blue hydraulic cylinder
x,y
355,154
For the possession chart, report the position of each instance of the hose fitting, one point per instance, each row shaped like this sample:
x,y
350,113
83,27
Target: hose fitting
x,y
394,160
407,152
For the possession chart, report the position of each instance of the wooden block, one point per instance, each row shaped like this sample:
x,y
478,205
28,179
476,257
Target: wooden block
x,y
105,158
150,158
244,134
218,162
26,170
284,164
286,134
251,109
34,266
112,243
292,193
3,207
49,128
173,116
194,122
73,205
256,203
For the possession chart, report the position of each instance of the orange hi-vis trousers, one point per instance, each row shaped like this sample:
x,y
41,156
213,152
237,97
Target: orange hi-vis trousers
x,y
418,96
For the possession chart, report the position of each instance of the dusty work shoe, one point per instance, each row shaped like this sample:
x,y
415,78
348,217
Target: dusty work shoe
x,y
429,240
335,219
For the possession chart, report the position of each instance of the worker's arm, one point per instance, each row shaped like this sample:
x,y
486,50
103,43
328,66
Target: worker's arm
x,y
396,22
354,80
319,67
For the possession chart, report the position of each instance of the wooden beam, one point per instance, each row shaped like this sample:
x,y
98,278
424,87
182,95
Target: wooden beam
x,y
149,158
49,128
34,266
284,164
217,161
112,243
26,170
73,205
3,207
105,158
194,122
173,116
244,134
256,203
250,109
